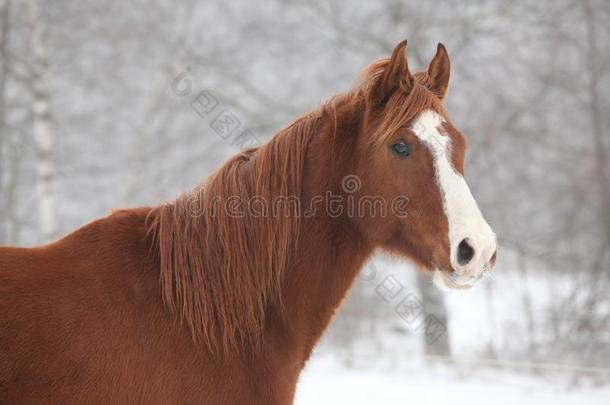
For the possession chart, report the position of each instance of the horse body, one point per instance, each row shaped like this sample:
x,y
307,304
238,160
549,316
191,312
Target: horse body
x,y
82,321
190,302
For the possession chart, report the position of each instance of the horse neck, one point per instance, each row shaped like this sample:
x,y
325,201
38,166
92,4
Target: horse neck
x,y
315,287
330,253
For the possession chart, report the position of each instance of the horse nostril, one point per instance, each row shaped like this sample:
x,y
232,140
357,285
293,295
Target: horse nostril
x,y
465,252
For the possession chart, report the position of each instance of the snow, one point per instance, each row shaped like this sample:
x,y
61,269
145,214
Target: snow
x,y
384,364
326,381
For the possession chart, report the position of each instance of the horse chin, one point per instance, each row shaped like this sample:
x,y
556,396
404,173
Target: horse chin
x,y
445,282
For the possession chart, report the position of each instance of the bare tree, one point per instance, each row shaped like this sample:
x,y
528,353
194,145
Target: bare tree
x,y
42,122
4,61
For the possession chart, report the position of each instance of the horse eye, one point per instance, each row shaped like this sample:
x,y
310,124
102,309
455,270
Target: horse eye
x,y
401,148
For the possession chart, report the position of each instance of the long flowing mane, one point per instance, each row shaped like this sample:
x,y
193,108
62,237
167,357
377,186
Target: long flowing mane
x,y
221,267
220,271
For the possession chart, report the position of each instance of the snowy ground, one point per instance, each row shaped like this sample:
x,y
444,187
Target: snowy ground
x,y
386,367
325,381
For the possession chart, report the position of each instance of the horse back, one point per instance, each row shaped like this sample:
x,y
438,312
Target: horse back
x,y
78,316
82,321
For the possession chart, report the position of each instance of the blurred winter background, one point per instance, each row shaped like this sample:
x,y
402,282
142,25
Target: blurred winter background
x,y
96,113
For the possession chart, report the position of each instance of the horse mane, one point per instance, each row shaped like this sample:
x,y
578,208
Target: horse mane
x,y
220,272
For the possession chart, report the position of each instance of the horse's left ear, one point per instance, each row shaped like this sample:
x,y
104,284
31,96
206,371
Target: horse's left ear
x,y
439,72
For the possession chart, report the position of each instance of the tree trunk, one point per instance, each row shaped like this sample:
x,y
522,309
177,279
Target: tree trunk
x,y
4,61
599,281
436,327
43,131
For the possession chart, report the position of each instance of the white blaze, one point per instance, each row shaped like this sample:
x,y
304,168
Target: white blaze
x,y
463,215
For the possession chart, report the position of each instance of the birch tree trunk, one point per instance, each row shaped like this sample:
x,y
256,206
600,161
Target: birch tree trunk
x,y
4,61
43,131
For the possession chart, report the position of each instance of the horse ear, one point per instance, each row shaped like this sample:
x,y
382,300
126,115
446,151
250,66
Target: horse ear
x,y
396,74
439,72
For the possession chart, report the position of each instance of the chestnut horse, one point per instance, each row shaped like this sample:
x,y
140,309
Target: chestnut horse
x,y
219,297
